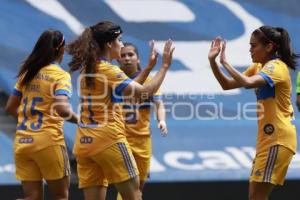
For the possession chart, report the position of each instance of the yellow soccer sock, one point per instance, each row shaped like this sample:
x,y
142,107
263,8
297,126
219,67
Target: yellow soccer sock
x,y
119,197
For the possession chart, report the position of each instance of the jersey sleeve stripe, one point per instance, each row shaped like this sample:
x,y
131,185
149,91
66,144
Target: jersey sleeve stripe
x,y
122,85
16,92
63,92
267,79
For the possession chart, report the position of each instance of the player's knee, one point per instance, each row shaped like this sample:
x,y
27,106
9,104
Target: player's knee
x,y
140,195
61,195
34,195
255,196
251,196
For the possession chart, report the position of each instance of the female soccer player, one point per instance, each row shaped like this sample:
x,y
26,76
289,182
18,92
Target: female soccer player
x,y
101,148
40,100
137,115
272,55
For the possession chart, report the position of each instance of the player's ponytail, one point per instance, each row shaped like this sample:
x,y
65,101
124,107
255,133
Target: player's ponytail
x,y
45,51
85,50
285,49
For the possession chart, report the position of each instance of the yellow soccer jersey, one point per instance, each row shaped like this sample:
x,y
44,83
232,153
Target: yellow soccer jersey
x,y
275,111
39,125
137,116
101,122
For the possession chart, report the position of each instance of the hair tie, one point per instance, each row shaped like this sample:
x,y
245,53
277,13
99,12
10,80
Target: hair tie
x,y
265,36
61,43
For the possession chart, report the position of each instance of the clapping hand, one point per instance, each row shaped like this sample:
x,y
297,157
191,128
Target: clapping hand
x,y
167,54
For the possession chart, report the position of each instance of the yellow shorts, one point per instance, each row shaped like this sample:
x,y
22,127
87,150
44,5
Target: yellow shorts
x,y
90,173
271,166
112,165
141,150
51,163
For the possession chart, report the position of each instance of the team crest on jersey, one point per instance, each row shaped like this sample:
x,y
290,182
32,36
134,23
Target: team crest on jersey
x,y
269,67
269,129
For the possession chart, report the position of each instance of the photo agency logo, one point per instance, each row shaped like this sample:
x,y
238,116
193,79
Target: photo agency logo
x,y
177,106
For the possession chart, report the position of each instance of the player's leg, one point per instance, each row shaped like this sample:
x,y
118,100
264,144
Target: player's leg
x,y
142,150
59,189
129,189
260,191
269,169
142,184
91,179
33,190
29,173
95,193
55,170
119,167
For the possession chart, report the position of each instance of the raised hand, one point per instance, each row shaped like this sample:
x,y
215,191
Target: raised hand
x,y
215,48
153,55
223,59
167,54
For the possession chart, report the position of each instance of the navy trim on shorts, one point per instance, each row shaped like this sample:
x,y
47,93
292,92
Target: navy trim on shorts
x,y
272,157
65,157
127,160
